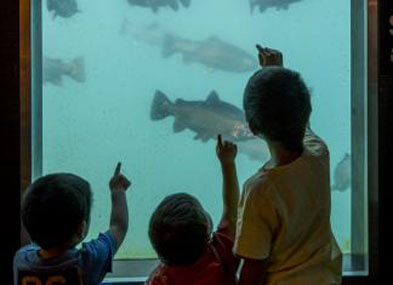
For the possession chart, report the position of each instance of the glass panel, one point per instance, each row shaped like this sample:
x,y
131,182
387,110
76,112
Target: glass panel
x,y
102,67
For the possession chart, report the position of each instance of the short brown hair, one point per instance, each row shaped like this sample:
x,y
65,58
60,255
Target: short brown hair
x,y
179,229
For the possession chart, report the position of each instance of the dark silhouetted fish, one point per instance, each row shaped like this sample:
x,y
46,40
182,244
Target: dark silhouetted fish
x,y
265,4
155,5
54,69
206,118
342,174
62,8
213,53
152,34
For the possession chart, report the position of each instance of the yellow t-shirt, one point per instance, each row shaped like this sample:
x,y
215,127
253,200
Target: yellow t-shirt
x,y
284,217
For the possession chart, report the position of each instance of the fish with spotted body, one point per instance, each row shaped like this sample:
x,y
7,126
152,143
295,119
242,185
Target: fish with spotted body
x,y
206,118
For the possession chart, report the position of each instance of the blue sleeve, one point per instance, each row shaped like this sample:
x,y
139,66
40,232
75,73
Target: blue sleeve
x,y
97,257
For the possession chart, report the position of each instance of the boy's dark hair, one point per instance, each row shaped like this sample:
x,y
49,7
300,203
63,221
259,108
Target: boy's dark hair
x,y
179,229
277,105
53,208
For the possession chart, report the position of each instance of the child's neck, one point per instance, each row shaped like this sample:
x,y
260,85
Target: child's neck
x,y
281,156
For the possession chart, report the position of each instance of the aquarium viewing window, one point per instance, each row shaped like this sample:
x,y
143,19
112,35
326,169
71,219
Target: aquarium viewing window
x,y
106,73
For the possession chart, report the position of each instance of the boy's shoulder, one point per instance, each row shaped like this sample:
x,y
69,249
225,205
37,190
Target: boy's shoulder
x,y
25,255
94,257
261,183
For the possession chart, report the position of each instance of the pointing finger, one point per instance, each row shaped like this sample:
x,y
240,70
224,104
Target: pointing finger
x,y
118,167
219,140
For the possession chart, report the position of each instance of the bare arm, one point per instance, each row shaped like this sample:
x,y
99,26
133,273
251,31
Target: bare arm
x,y
226,153
253,272
119,216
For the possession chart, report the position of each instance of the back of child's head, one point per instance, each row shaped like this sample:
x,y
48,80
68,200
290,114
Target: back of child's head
x,y
179,229
54,207
277,106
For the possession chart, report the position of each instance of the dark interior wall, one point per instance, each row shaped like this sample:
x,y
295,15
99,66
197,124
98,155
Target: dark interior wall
x,y
9,148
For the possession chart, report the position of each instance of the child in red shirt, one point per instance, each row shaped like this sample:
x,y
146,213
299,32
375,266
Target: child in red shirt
x,y
180,232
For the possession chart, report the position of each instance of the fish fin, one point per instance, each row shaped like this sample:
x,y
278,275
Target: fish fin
x,y
178,126
202,137
168,49
213,98
174,5
186,3
199,136
158,108
262,8
180,101
205,138
77,69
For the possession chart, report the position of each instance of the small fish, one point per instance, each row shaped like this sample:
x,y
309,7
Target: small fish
x,y
62,8
266,4
205,118
213,53
342,174
54,69
155,5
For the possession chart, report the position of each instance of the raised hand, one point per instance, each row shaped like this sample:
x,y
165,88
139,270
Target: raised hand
x,y
226,151
119,182
269,57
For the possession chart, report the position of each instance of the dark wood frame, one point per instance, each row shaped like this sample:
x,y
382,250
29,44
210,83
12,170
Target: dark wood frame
x,y
17,137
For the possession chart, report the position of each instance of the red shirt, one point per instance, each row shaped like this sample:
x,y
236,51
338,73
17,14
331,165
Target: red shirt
x,y
217,266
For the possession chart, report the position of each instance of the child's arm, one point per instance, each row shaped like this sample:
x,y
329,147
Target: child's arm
x,y
226,152
253,272
119,216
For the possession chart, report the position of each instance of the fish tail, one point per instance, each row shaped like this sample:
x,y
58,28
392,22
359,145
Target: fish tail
x,y
168,47
77,69
186,3
159,106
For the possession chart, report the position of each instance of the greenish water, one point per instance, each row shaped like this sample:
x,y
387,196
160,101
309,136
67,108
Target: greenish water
x,y
88,127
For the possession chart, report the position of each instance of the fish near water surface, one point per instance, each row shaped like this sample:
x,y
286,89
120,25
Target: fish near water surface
x,y
205,118
62,8
263,5
55,69
213,53
342,174
155,5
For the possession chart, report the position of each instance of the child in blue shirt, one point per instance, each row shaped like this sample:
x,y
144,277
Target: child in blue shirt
x,y
56,213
